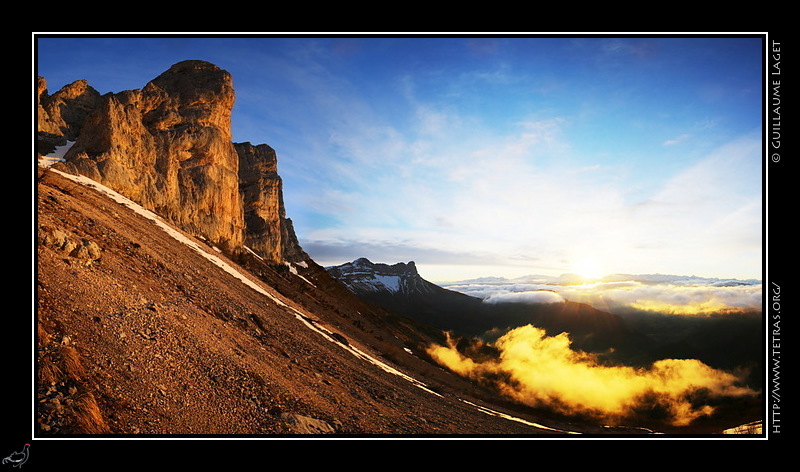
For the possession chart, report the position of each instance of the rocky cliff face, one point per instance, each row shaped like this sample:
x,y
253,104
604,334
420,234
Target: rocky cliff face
x,y
268,231
168,146
60,115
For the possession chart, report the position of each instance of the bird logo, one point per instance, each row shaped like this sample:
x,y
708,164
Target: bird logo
x,y
16,459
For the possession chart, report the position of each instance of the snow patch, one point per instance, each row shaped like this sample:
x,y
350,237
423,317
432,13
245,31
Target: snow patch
x,y
294,271
55,156
390,282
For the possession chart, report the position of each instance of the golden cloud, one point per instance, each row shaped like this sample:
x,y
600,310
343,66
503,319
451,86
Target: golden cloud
x,y
544,371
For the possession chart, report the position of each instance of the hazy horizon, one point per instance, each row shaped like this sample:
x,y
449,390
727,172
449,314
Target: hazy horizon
x,y
614,293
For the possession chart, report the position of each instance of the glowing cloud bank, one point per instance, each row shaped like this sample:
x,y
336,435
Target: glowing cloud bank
x,y
534,296
679,295
544,371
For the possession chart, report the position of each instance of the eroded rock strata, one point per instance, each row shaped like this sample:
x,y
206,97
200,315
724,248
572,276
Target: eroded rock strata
x,y
168,147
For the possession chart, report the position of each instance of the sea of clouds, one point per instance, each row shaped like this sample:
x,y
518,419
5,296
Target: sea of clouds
x,y
621,293
547,371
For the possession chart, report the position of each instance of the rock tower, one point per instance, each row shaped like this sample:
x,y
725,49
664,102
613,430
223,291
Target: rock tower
x,y
168,147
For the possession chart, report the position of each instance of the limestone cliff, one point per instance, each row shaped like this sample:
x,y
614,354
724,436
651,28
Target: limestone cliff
x,y
268,231
60,115
168,146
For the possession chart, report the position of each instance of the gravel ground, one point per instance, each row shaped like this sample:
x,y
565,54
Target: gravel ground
x,y
139,334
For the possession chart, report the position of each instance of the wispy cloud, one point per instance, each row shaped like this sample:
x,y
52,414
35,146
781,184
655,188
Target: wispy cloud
x,y
677,140
518,195
424,161
534,297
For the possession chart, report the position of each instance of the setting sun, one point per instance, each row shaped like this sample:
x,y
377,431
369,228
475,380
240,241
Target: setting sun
x,y
588,269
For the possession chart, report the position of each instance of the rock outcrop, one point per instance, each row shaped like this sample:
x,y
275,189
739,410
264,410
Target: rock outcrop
x,y
168,147
268,232
60,116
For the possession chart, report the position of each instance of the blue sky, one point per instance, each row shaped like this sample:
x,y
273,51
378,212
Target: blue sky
x,y
489,156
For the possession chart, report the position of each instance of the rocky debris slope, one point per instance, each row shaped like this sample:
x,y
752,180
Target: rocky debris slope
x,y
142,334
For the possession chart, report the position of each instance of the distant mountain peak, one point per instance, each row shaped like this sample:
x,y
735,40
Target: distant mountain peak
x,y
363,264
363,275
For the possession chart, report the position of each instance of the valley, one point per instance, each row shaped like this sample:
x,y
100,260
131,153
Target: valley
x,y
595,346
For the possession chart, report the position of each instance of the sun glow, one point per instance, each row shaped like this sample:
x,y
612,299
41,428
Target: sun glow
x,y
588,269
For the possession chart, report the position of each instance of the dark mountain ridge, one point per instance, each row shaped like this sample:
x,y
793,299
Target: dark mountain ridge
x,y
399,288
